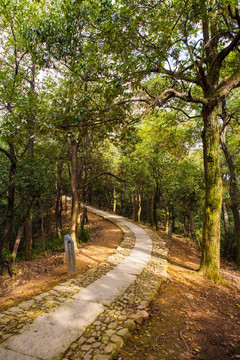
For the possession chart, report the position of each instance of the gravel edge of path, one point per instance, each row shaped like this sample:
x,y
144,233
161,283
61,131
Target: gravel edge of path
x,y
15,318
103,339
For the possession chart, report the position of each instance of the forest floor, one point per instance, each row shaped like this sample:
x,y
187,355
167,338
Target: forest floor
x,y
190,317
43,272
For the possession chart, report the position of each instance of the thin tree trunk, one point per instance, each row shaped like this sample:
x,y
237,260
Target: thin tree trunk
x,y
28,236
60,212
227,244
75,200
11,198
18,239
42,230
66,204
151,210
225,218
167,218
155,211
24,214
58,201
133,207
114,200
139,208
84,194
121,203
173,218
28,231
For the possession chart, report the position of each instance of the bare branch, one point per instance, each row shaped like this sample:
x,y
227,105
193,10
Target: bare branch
x,y
181,76
125,102
146,90
184,112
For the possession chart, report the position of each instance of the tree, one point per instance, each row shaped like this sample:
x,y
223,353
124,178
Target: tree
x,y
15,76
189,45
85,87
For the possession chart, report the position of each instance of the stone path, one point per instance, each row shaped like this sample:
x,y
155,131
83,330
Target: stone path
x,y
89,316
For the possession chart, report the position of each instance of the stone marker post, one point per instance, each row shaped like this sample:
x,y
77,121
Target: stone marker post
x,y
70,254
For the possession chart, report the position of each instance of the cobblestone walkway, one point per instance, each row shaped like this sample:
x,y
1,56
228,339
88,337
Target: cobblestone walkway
x,y
89,316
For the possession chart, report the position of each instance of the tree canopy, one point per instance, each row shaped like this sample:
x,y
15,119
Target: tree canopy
x,y
131,105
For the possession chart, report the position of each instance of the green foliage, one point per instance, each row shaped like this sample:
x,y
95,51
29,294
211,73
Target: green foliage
x,y
89,56
83,235
54,244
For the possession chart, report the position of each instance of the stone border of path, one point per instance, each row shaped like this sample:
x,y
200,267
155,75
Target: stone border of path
x,y
103,339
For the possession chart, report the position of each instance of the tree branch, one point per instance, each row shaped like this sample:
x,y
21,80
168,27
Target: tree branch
x,y
227,85
178,75
184,112
6,153
125,102
104,173
226,51
172,93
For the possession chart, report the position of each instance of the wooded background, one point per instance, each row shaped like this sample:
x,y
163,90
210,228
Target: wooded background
x,y
132,106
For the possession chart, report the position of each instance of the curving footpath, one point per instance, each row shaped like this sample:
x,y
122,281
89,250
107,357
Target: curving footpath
x,y
89,316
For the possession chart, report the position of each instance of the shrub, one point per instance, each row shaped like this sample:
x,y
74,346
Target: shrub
x,y
83,235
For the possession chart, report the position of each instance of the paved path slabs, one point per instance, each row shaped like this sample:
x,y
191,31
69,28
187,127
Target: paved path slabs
x,y
86,317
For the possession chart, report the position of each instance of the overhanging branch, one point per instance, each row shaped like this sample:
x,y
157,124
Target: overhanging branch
x,y
102,174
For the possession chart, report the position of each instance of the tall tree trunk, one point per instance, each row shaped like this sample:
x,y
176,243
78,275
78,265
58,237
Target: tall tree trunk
x,y
227,237
60,212
114,200
11,198
18,239
84,219
42,230
28,236
151,210
66,204
136,206
233,192
156,201
210,258
225,218
75,200
28,231
167,219
139,208
133,207
24,214
58,201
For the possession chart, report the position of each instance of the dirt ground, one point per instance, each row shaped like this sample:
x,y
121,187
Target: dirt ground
x,y
33,277
190,318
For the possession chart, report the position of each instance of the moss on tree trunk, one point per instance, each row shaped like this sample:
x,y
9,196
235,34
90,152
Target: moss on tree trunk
x,y
210,259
